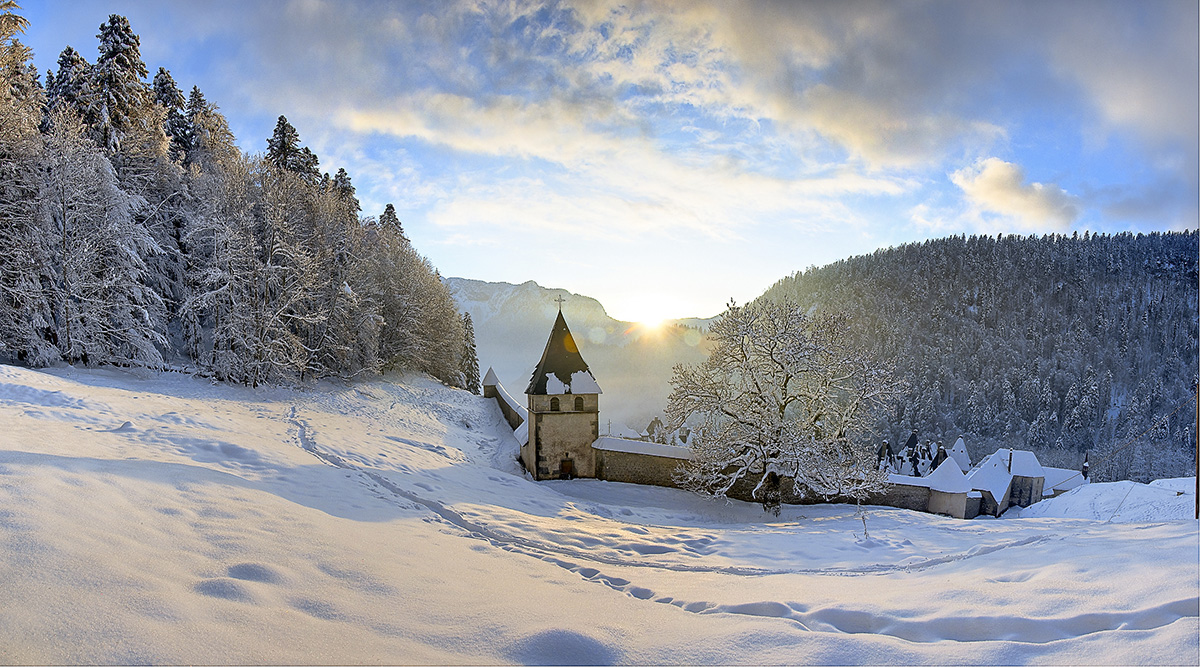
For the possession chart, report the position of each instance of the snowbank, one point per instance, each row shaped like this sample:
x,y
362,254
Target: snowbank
x,y
612,444
168,520
1120,502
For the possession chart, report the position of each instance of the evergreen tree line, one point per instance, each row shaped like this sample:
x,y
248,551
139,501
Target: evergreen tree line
x,y
133,231
1057,344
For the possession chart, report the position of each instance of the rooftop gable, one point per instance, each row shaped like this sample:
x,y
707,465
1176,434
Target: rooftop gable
x,y
490,380
562,369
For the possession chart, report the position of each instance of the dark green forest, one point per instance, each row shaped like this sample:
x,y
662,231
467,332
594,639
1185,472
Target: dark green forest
x,y
1057,344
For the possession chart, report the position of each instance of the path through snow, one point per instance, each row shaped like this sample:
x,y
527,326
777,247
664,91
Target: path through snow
x,y
164,519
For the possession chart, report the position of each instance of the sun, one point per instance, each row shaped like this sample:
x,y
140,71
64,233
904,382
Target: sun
x,y
652,327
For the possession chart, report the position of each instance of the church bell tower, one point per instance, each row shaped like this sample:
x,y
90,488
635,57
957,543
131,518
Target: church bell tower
x,y
564,411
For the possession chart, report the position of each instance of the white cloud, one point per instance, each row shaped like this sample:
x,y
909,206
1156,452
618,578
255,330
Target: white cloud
x,y
999,187
1140,68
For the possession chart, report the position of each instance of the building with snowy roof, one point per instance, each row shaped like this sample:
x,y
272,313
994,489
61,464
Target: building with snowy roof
x,y
564,411
1007,477
942,491
559,428
1060,480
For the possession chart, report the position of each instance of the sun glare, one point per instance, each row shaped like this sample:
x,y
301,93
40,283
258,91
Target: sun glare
x,y
646,326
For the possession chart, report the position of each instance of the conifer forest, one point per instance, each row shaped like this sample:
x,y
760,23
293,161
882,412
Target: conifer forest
x,y
1057,344
136,232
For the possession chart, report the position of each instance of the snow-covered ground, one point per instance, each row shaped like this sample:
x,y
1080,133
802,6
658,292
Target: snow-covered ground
x,y
163,519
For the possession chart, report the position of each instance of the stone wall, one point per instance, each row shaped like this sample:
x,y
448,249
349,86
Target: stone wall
x,y
972,507
989,505
566,402
949,504
904,496
1025,491
636,468
514,418
556,436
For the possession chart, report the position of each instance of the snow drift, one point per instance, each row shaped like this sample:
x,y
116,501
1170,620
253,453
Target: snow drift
x,y
161,519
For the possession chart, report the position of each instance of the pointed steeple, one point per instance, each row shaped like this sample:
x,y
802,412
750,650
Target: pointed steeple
x,y
562,369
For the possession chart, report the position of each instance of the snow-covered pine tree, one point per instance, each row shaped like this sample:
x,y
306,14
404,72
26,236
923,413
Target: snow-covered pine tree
x,y
25,238
11,23
176,125
421,329
470,359
389,220
213,144
119,94
786,393
70,87
285,153
104,312
225,270
344,337
285,310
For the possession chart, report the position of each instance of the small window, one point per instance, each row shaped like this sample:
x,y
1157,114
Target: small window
x,y
554,404
578,404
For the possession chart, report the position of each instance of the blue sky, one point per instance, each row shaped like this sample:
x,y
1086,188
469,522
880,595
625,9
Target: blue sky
x,y
665,157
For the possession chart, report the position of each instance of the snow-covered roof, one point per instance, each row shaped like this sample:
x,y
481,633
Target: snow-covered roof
x,y
490,380
611,444
1024,463
522,433
562,369
959,453
512,403
948,478
1177,484
581,382
1062,479
618,431
908,480
992,475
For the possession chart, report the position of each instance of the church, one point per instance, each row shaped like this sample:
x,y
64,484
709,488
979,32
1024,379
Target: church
x,y
564,411
559,425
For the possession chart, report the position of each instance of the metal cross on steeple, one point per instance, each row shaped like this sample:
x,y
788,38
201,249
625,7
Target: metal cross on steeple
x,y
560,301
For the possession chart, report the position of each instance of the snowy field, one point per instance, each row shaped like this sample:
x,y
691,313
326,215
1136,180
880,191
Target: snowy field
x,y
161,519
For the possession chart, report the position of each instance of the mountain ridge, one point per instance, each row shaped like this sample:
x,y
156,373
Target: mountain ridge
x,y
631,362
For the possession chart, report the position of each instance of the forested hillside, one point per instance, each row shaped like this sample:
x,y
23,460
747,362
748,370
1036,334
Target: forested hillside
x,y
1056,344
134,231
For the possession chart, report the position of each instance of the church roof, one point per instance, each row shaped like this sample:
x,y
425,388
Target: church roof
x,y
490,380
562,369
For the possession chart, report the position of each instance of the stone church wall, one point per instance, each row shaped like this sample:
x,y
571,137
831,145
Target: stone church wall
x,y
636,468
564,435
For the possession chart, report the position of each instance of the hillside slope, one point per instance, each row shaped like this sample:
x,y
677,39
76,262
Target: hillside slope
x,y
161,519
1055,344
